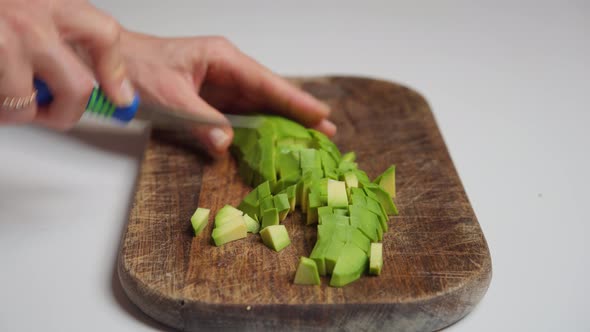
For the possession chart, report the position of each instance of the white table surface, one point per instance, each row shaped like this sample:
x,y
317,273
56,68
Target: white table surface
x,y
508,85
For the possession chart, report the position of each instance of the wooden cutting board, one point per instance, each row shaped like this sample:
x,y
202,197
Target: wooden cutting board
x,y
437,264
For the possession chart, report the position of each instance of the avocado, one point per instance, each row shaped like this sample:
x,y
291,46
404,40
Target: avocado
x,y
225,214
312,208
234,229
199,220
270,217
387,181
251,224
349,156
384,199
275,237
281,203
332,253
266,204
307,272
337,196
349,267
376,258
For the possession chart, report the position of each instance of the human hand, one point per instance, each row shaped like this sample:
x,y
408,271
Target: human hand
x,y
36,39
209,75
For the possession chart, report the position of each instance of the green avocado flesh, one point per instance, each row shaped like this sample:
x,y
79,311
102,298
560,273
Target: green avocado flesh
x,y
307,272
199,220
292,167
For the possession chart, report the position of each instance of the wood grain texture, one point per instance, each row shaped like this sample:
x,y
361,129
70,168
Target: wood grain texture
x,y
437,265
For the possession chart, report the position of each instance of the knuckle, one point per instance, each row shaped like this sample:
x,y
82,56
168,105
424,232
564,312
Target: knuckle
x,y
220,43
111,31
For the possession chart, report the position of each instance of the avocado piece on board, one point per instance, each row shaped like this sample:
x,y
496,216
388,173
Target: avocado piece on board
x,y
324,211
312,208
275,237
318,254
349,156
334,219
251,224
232,230
337,196
307,272
384,199
281,203
332,253
270,217
387,180
349,267
199,220
376,258
225,214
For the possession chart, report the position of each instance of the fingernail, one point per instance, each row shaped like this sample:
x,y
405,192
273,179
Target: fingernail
x,y
327,127
218,138
127,94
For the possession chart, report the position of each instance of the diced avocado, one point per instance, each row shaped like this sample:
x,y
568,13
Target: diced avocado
x,y
341,212
281,202
318,254
350,266
307,272
387,181
232,230
199,220
368,218
291,192
270,217
225,214
275,237
376,258
288,164
329,164
335,219
266,204
335,232
349,156
332,254
287,128
374,206
251,224
263,190
384,198
337,194
368,228
360,240
346,166
324,211
310,158
312,208
351,180
249,204
361,176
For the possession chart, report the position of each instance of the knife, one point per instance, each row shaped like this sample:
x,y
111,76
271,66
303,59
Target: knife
x,y
158,115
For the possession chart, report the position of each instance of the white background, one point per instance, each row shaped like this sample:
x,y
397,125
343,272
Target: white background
x,y
509,86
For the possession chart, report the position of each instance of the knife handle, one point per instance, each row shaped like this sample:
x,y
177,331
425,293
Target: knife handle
x,y
98,103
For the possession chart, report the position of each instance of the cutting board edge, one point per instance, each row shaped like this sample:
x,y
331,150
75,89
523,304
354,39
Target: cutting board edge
x,y
172,310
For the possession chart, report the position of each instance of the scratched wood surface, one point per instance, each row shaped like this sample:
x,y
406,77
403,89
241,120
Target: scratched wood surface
x,y
437,265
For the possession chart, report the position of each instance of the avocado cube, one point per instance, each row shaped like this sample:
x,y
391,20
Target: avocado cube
x,y
275,237
310,158
270,217
287,128
351,181
387,181
337,196
288,164
360,240
232,230
251,224
384,198
199,220
266,204
329,165
374,206
335,232
361,176
249,204
281,203
350,266
332,254
335,219
324,211
349,156
341,212
367,227
346,166
225,214
369,218
312,208
318,254
263,190
376,258
291,192
307,272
